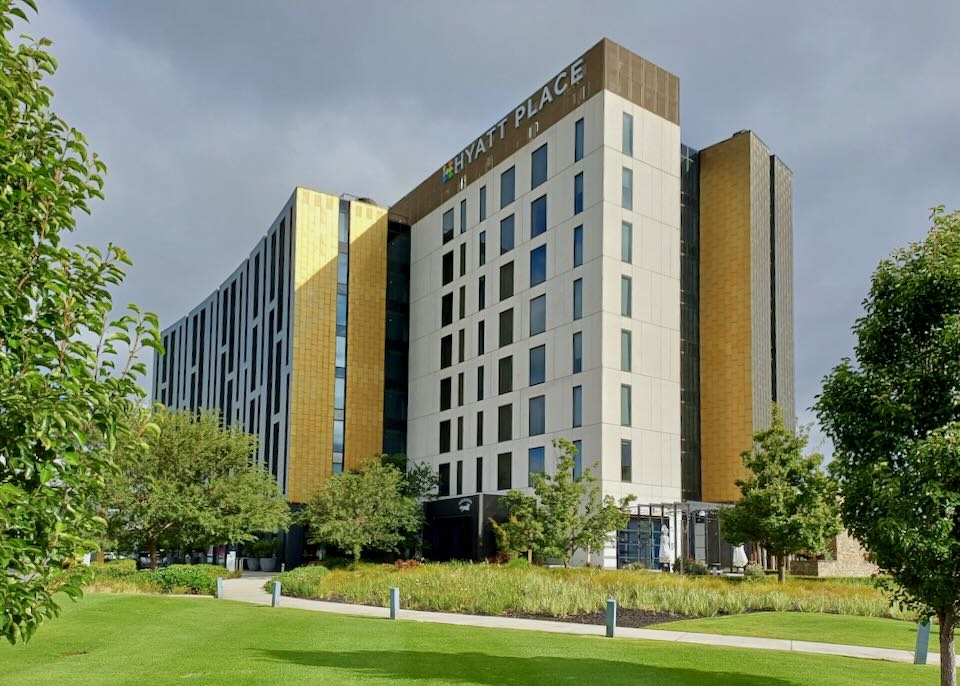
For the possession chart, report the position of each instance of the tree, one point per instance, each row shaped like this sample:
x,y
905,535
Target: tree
x,y
788,505
362,509
68,371
192,485
892,416
420,482
565,514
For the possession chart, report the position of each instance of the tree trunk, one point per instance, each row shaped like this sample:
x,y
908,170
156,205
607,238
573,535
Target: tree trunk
x,y
100,559
948,656
782,568
356,554
529,555
153,556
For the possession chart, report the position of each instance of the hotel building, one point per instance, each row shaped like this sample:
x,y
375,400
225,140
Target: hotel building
x,y
574,272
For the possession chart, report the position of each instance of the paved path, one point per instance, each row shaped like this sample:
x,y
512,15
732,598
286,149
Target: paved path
x,y
249,589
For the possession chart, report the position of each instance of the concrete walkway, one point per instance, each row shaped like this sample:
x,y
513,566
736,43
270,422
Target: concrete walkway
x,y
249,589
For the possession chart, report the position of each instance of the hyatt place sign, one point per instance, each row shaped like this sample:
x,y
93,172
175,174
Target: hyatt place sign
x,y
555,88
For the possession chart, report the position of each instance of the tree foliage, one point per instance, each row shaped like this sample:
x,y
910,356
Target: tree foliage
x,y
367,508
67,369
893,415
192,485
420,482
564,515
788,504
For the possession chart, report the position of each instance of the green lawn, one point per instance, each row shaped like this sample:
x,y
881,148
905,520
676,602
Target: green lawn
x,y
802,626
128,639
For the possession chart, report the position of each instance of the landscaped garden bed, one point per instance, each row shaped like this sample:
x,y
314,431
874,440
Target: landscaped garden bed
x,y
123,576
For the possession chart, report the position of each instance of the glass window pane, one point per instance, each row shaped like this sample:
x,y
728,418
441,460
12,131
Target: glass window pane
x,y
446,309
447,268
338,436
463,215
508,187
578,298
483,203
480,382
626,411
505,423
443,479
577,406
626,461
577,246
506,280
445,436
578,460
626,242
538,216
626,296
482,293
537,418
483,248
506,327
538,315
341,310
535,463
506,234
481,337
339,392
627,133
627,189
538,364
448,225
578,193
445,394
504,471
505,374
341,351
626,350
446,351
577,352
538,265
538,166
578,140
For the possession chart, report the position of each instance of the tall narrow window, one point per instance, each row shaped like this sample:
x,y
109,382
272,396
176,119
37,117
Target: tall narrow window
x,y
445,436
479,428
443,479
482,293
534,463
506,280
537,415
445,394
505,423
626,350
459,433
463,303
578,140
462,347
482,252
446,351
483,205
538,364
446,309
626,296
505,374
577,246
460,392
508,187
506,234
627,189
481,337
538,265
459,477
448,226
506,327
504,471
463,215
578,193
538,216
578,460
578,352
478,474
480,382
627,134
626,405
626,461
577,406
626,242
463,259
538,315
578,298
447,268
538,166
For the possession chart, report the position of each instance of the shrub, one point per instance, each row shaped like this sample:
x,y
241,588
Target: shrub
x,y
263,548
517,562
122,563
754,572
302,582
692,567
192,578
172,579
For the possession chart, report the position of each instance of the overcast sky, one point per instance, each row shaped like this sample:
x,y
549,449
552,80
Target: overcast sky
x,y
209,113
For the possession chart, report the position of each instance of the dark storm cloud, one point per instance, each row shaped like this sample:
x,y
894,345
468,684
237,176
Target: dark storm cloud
x,y
209,113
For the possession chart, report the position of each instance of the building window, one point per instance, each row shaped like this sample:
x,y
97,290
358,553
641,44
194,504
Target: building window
x,y
446,309
505,423
479,428
626,296
577,406
538,364
482,293
578,140
448,226
627,133
626,410
480,382
505,374
460,392
446,351
506,234
443,485
534,463
445,436
538,315
578,193
538,216
506,280
577,246
626,461
459,477
483,203
459,433
626,242
537,415
482,252
481,337
578,460
479,475
463,215
504,471
626,350
627,189
445,394
463,259
538,166
508,187
506,327
578,352
448,268
577,298
538,265
463,305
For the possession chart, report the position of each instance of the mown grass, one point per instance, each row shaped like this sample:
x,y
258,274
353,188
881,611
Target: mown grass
x,y
493,590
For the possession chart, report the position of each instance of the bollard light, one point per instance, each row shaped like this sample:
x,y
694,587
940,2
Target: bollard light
x,y
923,641
611,616
220,588
276,594
394,602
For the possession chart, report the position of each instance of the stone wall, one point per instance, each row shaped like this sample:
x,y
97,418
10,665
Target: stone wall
x,y
848,559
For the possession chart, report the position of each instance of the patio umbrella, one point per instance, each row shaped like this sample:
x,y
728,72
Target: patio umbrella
x,y
666,546
739,556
